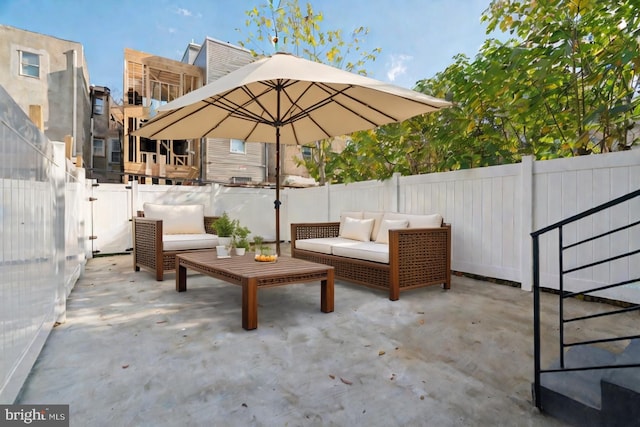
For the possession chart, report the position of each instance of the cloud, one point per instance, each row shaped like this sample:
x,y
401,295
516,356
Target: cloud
x,y
164,29
397,66
183,12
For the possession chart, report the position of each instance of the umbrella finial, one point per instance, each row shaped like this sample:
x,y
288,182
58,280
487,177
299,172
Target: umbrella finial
x,y
274,40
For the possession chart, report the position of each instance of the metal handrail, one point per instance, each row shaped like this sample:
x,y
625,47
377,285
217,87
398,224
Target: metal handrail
x,y
558,226
587,213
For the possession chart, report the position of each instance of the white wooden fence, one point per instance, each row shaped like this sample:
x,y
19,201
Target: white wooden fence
x,y
492,210
42,235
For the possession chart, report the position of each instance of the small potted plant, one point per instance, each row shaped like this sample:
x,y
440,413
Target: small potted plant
x,y
224,228
257,243
240,239
263,252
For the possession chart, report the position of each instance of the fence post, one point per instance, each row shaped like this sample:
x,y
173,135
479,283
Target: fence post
x,y
134,198
526,222
59,184
327,187
394,192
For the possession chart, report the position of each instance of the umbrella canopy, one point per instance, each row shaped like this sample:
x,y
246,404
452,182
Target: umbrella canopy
x,y
286,99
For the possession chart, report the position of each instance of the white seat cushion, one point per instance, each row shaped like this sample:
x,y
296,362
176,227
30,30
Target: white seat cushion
x,y
368,251
181,242
177,219
322,245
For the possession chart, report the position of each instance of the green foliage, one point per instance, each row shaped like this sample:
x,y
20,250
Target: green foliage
x,y
317,165
259,247
258,240
573,73
298,30
224,226
565,85
240,236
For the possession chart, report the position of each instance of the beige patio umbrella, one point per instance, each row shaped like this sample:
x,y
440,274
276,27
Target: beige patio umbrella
x,y
286,99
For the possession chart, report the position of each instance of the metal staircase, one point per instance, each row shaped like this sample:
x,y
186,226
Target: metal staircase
x,y
587,384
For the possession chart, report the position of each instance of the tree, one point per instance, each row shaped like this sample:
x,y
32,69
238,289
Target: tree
x,y
472,133
379,153
583,58
565,85
286,26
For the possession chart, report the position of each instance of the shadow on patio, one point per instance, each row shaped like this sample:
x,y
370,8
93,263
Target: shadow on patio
x,y
133,351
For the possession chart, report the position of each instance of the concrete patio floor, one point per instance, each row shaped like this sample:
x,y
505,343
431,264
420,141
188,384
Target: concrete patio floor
x,y
134,352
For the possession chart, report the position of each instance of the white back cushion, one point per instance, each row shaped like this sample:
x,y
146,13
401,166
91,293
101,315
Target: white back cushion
x,y
177,219
377,220
417,221
389,224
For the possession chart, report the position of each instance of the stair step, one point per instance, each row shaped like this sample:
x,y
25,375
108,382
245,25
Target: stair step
x,y
574,397
621,389
583,386
629,377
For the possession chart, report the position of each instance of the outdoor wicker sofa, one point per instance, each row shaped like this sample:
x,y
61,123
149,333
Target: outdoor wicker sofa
x,y
162,231
418,252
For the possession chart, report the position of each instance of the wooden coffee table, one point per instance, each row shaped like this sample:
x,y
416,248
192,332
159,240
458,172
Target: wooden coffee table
x,y
251,275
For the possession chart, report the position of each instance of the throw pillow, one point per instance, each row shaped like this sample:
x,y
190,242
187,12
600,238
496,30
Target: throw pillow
x,y
390,224
357,229
350,214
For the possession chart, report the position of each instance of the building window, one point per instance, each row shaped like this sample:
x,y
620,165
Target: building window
x,y
237,146
29,64
307,152
98,105
98,147
115,154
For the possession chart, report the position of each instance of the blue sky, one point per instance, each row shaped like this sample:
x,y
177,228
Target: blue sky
x,y
418,37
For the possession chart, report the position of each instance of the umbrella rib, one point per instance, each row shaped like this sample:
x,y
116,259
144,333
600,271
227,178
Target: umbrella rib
x,y
238,110
256,99
332,94
294,104
171,123
306,112
282,86
343,92
232,108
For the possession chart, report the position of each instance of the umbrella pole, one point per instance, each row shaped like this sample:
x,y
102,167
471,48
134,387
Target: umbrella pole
x,y
277,202
279,89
